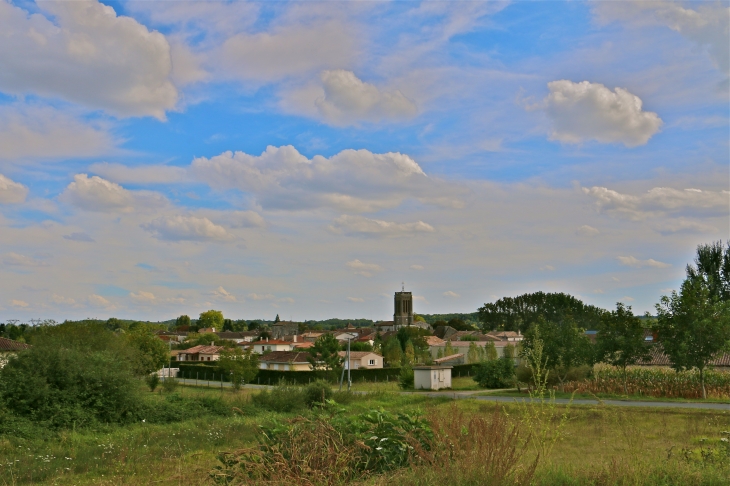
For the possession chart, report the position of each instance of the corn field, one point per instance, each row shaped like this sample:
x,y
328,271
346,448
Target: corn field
x,y
653,382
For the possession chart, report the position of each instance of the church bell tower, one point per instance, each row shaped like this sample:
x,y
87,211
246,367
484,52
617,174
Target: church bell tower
x,y
403,315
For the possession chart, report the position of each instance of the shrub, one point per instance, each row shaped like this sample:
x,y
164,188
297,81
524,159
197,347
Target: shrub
x,y
282,399
317,392
169,385
406,378
152,381
495,374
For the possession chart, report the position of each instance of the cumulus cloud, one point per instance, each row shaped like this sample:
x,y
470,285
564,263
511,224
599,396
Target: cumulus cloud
x,y
707,25
366,227
60,299
82,237
346,99
186,228
286,300
356,299
19,303
286,51
416,267
351,180
364,269
95,300
97,194
147,174
245,219
83,52
631,261
11,192
586,230
451,294
46,133
17,260
143,297
660,201
223,295
590,111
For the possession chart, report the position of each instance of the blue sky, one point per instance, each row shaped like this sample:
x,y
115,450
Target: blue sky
x,y
164,158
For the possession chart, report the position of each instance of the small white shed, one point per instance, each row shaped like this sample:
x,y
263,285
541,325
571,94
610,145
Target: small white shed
x,y
431,377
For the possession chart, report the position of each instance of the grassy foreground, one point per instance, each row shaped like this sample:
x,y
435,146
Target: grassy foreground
x,y
595,445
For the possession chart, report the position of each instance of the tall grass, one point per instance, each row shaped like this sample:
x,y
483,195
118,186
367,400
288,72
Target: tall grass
x,y
653,382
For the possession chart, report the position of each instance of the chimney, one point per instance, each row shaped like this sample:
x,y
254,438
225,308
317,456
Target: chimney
x,y
267,340
295,338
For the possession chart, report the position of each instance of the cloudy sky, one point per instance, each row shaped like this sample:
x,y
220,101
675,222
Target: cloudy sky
x,y
160,158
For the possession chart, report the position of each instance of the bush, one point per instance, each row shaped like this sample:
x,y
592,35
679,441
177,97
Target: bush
x,y
495,374
152,381
317,393
176,408
169,385
282,399
406,379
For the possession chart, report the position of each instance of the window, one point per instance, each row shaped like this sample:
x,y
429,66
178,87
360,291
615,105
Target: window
x,y
371,362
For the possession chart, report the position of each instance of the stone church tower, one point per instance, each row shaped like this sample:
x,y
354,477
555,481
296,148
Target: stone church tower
x,y
403,315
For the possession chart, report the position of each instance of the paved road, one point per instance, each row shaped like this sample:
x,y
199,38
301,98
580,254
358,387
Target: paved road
x,y
471,394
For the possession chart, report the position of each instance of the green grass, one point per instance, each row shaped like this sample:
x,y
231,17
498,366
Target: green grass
x,y
463,383
604,396
598,445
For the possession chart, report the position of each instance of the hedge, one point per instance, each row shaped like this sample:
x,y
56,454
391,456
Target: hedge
x,y
202,372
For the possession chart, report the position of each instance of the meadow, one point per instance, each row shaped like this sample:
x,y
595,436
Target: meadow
x,y
569,445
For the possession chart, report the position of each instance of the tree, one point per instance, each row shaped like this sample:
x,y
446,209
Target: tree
x,y
392,352
693,326
152,352
519,313
277,319
253,325
712,268
476,354
227,325
240,366
409,354
211,318
620,339
509,351
565,346
490,351
324,354
358,346
495,374
182,321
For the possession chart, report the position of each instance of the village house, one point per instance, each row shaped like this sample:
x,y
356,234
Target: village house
x,y
8,347
269,345
174,336
285,361
200,353
453,348
284,328
238,337
362,360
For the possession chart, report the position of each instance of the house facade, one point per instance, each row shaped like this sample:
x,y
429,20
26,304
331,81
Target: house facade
x,y
270,345
285,361
200,353
362,360
8,347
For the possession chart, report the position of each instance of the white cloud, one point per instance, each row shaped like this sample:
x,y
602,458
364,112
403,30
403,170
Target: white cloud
x,y
356,299
19,303
706,26
351,180
59,299
83,52
82,237
11,192
366,227
416,267
223,295
146,174
586,230
627,299
286,300
420,298
590,111
451,294
143,297
346,99
98,301
631,261
255,296
660,200
286,51
18,260
548,268
97,194
46,133
245,219
186,228
598,291
364,269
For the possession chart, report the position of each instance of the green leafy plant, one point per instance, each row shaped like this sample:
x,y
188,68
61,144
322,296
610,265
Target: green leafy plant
x,y
406,379
495,374
152,381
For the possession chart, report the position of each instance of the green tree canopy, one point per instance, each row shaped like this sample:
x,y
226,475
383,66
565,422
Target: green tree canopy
x,y
519,313
565,346
392,351
152,352
182,321
712,268
693,326
324,355
211,318
241,366
620,339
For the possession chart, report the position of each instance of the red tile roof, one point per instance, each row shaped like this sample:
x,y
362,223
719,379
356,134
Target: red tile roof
x,y
448,358
357,354
10,345
203,349
658,358
285,357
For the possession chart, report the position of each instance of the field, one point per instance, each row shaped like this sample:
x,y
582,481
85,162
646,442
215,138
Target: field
x,y
595,445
